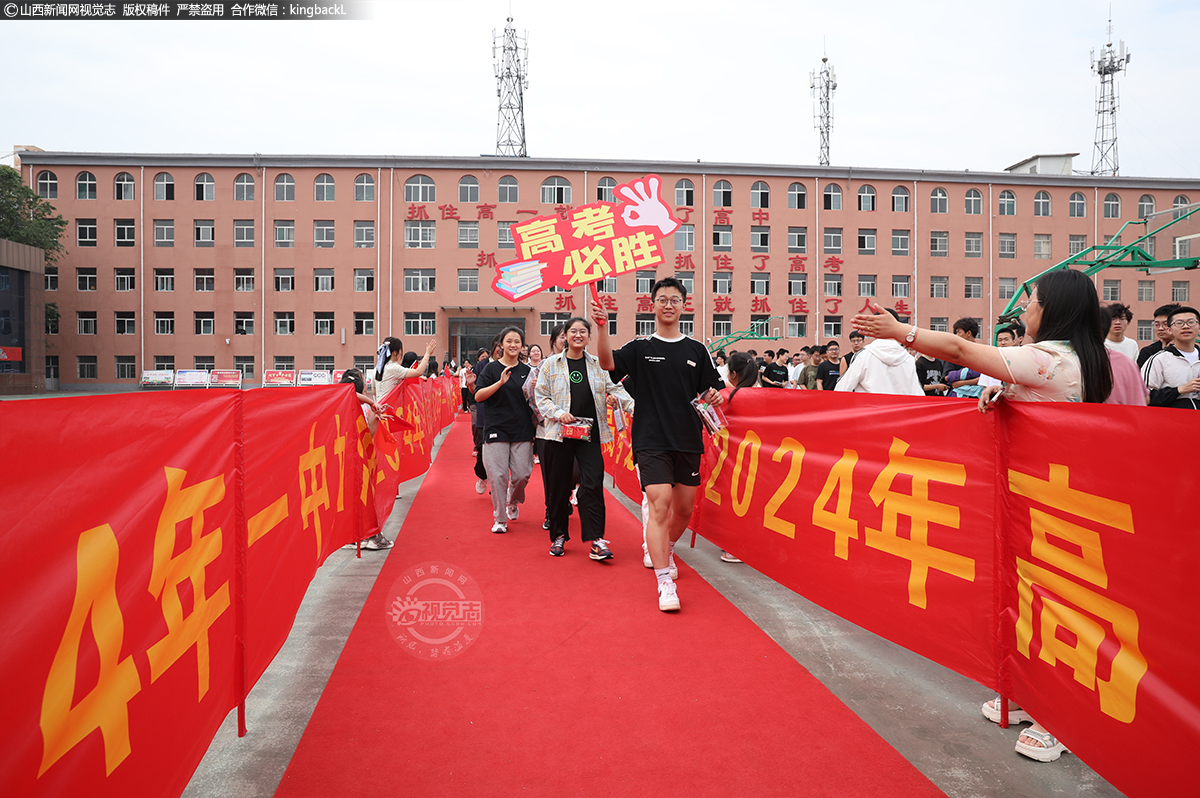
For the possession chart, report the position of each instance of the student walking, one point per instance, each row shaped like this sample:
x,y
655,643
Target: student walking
x,y
508,429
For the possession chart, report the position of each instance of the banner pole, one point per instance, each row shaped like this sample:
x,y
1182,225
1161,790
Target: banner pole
x,y
1000,532
241,545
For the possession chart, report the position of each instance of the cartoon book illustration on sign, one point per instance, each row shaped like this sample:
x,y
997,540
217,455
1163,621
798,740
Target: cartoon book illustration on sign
x,y
517,280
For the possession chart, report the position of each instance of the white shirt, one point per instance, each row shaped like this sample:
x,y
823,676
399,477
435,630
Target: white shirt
x,y
1126,346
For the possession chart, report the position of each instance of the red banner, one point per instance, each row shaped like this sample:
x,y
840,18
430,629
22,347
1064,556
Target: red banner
x,y
145,538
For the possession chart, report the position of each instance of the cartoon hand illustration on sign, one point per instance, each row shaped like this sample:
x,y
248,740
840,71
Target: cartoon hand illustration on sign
x,y
645,209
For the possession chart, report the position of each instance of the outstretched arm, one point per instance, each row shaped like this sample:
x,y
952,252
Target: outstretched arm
x,y
980,357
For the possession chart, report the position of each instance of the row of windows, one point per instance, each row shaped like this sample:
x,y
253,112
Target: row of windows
x,y
87,366
204,280
204,233
204,323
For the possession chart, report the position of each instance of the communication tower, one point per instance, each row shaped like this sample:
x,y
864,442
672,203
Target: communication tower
x,y
823,84
512,78
1104,158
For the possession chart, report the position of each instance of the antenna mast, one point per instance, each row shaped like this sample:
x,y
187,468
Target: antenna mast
x,y
512,78
823,85
1104,158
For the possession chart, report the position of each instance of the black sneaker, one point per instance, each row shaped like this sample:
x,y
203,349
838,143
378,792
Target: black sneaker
x,y
557,549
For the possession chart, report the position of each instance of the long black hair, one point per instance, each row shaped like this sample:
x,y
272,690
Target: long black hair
x,y
743,372
1071,312
394,345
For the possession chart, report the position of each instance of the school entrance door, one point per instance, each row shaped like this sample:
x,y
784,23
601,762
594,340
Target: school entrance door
x,y
468,336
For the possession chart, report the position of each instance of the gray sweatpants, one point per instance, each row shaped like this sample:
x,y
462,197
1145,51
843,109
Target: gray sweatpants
x,y
508,468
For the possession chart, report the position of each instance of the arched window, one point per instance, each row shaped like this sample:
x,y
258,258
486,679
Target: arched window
x,y
420,188
1180,205
939,201
364,188
206,187
797,196
509,190
468,189
722,194
323,188
866,198
1041,204
47,185
1077,206
974,202
685,194
1008,204
833,197
1145,206
285,188
85,186
604,189
760,195
556,191
1112,206
243,188
900,199
123,186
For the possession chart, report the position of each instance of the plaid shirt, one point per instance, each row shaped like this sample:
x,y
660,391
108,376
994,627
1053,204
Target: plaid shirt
x,y
553,394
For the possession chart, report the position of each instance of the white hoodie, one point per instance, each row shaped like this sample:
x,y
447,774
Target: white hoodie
x,y
882,367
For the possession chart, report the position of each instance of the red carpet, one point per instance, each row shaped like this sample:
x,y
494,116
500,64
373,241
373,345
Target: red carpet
x,y
577,684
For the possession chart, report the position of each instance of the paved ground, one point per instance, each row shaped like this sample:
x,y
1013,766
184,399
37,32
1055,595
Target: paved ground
x,y
930,714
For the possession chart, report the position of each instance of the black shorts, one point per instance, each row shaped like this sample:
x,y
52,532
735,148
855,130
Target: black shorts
x,y
669,468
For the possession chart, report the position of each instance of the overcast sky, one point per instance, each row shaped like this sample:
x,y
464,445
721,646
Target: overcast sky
x,y
921,85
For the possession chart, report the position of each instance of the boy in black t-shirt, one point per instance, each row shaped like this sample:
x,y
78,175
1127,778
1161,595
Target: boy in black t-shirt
x,y
774,374
829,369
669,371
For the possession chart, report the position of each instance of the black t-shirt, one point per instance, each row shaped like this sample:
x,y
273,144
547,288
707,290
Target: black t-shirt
x,y
930,371
508,417
479,410
777,372
827,374
1148,350
667,375
583,403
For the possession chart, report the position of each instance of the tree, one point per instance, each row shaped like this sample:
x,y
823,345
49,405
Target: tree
x,y
26,218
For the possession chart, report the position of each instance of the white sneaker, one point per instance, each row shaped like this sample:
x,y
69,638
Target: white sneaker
x,y
671,564
668,598
480,486
513,512
499,528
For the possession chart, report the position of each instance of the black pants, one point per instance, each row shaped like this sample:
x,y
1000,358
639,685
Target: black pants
x,y
477,436
556,472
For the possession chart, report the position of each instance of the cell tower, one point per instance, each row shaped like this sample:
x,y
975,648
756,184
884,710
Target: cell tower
x,y
512,78
823,85
1104,159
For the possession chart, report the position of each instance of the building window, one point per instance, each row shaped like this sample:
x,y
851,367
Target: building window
x,y
85,321
126,367
86,365
468,281
504,236
760,239
604,189
607,286
85,278
164,186
833,197
1008,204
798,239
285,280
687,324
47,185
468,189
125,280
833,241
509,191
722,238
164,232
974,202
1008,288
364,188
1007,245
1179,248
833,327
85,186
722,194
833,285
939,201
204,280
285,233
364,363
323,323
420,234
323,188
1041,204
760,195
51,279
548,321
687,280
243,322
866,198
323,234
364,323
900,286
1145,291
1041,246
1179,204
203,322
939,287
285,362
204,232
85,232
556,191
164,279
900,199
285,323
243,280
364,234
124,232
322,280
1077,206
425,323
1111,291
644,281
760,284
420,280
1145,329
205,187
643,324
797,326
52,325
1145,206
973,245
164,362
900,242
243,232
939,323
123,186
866,242
420,188
685,238
1112,206
323,363
797,196
685,193
1151,246
939,243
364,280
1076,244
285,188
1179,290
722,324
866,285
244,364
1116,240
243,188
973,288
760,324
723,283
468,235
